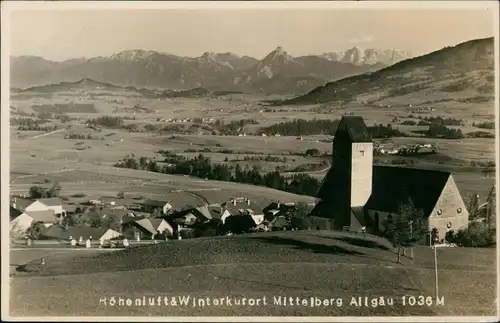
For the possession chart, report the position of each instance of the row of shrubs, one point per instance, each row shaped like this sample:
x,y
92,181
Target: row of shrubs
x,y
201,166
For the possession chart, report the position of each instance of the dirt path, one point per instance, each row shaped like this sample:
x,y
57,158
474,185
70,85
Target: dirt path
x,y
46,134
198,196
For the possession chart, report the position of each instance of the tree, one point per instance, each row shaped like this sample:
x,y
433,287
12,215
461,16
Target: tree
x,y
407,230
312,152
477,234
54,190
74,220
302,209
491,209
36,192
112,223
473,205
450,236
157,212
299,223
35,230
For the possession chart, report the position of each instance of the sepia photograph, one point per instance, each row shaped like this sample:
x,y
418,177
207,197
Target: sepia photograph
x,y
250,161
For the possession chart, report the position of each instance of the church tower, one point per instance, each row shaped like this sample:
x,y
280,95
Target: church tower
x,y
348,183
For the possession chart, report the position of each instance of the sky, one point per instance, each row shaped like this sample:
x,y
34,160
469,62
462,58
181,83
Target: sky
x,y
60,35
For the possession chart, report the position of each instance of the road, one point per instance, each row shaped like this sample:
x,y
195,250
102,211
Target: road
x,y
46,134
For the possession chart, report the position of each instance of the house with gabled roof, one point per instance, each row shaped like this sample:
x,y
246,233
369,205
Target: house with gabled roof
x,y
21,221
53,204
20,203
155,226
355,193
150,205
190,215
242,205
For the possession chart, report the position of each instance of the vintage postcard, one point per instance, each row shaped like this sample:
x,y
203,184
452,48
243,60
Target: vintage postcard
x,y
250,161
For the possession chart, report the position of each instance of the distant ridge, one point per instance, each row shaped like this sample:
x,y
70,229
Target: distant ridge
x,y
90,85
277,72
431,72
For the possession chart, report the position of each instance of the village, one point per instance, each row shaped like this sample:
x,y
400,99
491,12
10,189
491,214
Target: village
x,y
109,222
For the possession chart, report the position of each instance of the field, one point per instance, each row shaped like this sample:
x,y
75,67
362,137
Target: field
x,y
35,152
304,264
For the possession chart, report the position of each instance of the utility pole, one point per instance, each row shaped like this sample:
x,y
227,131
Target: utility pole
x,y
436,270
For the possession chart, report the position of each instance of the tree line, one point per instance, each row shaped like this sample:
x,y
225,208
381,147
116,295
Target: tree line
x,y
301,127
201,166
38,192
107,121
233,127
441,131
484,125
442,121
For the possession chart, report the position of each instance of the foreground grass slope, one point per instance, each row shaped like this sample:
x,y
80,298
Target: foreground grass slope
x,y
298,264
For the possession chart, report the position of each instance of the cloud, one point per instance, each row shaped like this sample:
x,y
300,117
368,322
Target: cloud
x,y
363,39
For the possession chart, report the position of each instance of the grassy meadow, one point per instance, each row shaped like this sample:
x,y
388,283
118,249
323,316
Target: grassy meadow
x,y
321,264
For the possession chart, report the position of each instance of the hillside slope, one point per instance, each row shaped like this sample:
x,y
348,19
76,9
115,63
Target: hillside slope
x,y
303,264
465,71
91,88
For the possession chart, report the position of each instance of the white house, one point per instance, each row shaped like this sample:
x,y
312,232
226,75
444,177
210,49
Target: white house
x,y
54,204
20,223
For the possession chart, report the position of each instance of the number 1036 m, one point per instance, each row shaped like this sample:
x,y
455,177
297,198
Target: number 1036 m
x,y
422,301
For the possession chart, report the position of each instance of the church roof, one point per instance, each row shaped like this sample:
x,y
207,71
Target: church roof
x,y
395,185
392,186
328,182
356,128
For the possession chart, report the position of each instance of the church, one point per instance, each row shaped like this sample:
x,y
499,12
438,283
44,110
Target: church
x,y
355,193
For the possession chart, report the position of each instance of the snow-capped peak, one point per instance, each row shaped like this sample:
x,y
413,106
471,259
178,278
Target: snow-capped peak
x,y
359,56
279,54
134,54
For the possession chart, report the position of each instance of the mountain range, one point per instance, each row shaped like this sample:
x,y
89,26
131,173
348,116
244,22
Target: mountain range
x,y
463,73
277,73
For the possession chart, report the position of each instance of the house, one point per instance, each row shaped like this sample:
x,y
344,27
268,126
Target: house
x,y
14,213
21,221
243,205
218,212
53,204
70,208
20,225
20,203
191,215
118,213
149,226
151,205
196,217
64,233
355,193
238,205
